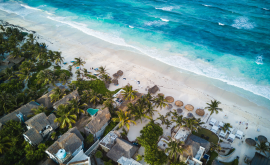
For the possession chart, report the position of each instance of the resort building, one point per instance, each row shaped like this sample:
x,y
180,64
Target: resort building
x,y
259,159
67,98
10,62
98,123
181,134
108,141
39,127
195,148
45,100
66,147
80,159
162,144
124,105
21,114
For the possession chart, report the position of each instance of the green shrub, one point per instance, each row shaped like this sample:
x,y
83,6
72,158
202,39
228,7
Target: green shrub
x,y
98,154
109,128
108,163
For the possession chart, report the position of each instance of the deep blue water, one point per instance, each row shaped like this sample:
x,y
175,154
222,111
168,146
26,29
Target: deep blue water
x,y
227,40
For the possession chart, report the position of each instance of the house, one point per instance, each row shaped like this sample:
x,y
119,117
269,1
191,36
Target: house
x,y
124,105
121,149
21,114
259,159
39,127
109,140
66,147
162,144
195,148
10,62
98,123
127,161
67,98
80,159
181,134
45,100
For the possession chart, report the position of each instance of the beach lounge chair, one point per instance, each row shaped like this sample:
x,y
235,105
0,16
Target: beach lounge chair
x,y
65,63
77,67
220,125
231,138
72,61
214,129
212,121
239,134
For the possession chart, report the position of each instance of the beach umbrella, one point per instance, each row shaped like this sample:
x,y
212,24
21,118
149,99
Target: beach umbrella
x,y
115,81
115,75
179,110
190,115
120,73
169,106
179,103
189,107
262,138
169,99
200,112
160,94
250,142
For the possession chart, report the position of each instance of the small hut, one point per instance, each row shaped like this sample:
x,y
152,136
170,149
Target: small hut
x,y
190,115
250,142
189,107
169,99
200,112
179,110
115,81
179,103
120,73
115,75
169,106
153,90
262,138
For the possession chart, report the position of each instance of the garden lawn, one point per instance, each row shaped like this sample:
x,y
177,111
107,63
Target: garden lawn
x,y
213,156
234,162
212,137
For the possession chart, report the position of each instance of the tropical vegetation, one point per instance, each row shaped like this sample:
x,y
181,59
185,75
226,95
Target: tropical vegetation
x,y
213,107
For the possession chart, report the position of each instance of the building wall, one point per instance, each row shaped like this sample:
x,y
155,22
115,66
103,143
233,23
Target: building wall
x,y
51,156
78,150
27,139
101,131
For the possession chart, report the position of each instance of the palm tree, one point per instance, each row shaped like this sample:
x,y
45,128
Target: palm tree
x,y
78,62
78,73
95,98
161,118
5,144
109,100
64,116
149,97
85,72
57,94
149,109
58,59
178,120
124,118
137,111
64,78
174,114
39,109
213,107
76,107
45,77
160,102
167,123
214,147
174,149
262,147
102,70
70,68
106,78
226,127
8,73
129,93
192,123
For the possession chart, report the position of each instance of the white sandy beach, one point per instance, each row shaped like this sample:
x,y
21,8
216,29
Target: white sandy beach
x,y
189,88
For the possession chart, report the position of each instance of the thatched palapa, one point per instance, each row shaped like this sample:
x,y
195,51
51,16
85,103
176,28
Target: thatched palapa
x,y
189,107
179,103
179,110
120,72
153,90
45,100
160,94
124,106
190,115
200,112
250,141
262,138
115,75
115,81
169,99
67,98
169,106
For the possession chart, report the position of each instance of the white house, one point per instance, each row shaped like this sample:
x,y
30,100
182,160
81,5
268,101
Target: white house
x,y
39,127
98,123
66,147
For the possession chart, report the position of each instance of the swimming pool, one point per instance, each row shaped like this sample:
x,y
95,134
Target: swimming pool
x,y
92,111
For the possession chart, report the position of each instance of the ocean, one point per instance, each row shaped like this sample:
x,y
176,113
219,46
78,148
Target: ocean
x,y
226,41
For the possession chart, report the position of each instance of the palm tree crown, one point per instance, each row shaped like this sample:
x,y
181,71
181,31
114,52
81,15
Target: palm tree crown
x,y
124,118
213,107
129,93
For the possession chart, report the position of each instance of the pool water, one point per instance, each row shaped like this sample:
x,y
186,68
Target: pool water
x,y
91,111
206,157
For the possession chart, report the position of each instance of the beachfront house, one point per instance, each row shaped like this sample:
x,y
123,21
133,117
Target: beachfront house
x,y
195,149
181,134
21,114
122,152
66,147
10,62
162,144
39,127
80,159
109,140
45,100
67,98
98,123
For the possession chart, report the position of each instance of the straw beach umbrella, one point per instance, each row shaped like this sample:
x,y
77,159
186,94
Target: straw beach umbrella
x,y
190,115
200,112
179,103
120,73
169,99
189,107
262,138
115,75
160,94
169,106
115,81
250,142
179,110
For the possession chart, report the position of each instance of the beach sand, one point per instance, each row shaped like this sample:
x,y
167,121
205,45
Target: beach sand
x,y
189,88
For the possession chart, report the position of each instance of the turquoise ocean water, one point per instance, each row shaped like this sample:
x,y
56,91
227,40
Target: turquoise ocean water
x,y
228,40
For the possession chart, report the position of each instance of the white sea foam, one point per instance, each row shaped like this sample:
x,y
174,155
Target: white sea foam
x,y
155,23
259,60
243,23
221,24
265,9
165,20
32,8
131,26
166,8
206,5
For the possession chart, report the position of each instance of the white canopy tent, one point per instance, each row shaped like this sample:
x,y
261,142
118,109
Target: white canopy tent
x,y
214,129
230,130
223,134
231,137
239,134
212,121
220,124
